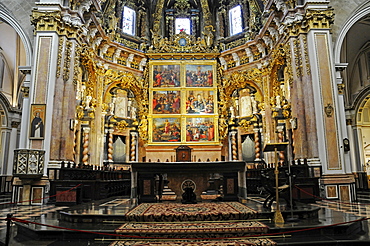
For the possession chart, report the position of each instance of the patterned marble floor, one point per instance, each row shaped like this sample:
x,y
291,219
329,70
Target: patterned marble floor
x,y
331,212
29,212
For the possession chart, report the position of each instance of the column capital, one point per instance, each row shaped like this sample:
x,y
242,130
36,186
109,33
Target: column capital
x,y
15,124
313,18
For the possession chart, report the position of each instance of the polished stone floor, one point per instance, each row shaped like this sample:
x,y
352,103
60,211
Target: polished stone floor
x,y
312,231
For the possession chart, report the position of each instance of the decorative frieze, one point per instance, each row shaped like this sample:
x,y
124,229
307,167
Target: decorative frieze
x,y
63,24
312,19
67,60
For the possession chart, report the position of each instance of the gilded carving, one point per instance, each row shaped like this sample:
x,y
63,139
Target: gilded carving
x,y
53,21
297,57
288,71
76,64
67,57
329,110
85,110
182,42
308,68
15,124
207,17
245,124
121,126
139,87
341,88
182,6
60,53
25,90
226,87
312,19
126,42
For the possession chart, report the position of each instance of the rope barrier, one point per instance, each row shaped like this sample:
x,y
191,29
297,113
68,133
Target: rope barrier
x,y
43,198
132,237
331,201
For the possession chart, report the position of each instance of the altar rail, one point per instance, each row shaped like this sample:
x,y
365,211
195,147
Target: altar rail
x,y
96,183
303,176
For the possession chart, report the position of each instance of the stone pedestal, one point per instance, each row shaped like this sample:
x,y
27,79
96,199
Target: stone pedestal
x,y
339,187
30,191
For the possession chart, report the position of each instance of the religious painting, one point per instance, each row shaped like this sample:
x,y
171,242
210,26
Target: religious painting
x,y
166,76
199,75
200,102
166,130
166,102
37,121
200,130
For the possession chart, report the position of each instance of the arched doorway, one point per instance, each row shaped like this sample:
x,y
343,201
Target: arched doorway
x,y
362,126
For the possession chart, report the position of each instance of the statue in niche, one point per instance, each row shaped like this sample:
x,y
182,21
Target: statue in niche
x,y
208,35
121,104
111,106
155,35
245,103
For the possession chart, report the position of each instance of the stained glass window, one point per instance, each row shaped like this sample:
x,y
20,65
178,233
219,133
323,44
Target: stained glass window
x,y
128,21
182,24
236,23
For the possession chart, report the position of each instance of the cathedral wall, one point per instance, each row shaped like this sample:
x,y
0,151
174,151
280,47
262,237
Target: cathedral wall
x,y
21,10
343,11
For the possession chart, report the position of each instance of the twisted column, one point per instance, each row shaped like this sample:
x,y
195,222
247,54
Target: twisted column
x,y
85,152
257,145
110,145
233,146
133,147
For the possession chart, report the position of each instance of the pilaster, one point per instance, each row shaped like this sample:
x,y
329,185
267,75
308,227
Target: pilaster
x,y
57,37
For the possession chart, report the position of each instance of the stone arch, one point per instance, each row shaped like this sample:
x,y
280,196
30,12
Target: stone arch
x,y
363,11
8,18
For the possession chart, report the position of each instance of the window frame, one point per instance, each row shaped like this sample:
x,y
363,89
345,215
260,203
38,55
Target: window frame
x,y
133,22
231,29
187,18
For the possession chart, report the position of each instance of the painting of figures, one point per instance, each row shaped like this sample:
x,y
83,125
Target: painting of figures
x,y
166,102
166,75
199,102
200,129
37,121
199,75
166,130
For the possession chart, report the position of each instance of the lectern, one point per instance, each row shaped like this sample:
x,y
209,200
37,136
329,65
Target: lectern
x,y
278,218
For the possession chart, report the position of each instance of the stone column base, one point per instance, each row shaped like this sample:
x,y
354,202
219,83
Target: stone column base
x,y
28,191
339,187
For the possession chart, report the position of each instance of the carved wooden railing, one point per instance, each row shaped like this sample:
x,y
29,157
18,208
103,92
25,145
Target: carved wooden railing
x,y
303,176
96,182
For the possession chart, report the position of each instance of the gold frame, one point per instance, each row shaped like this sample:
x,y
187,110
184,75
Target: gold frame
x,y
156,119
